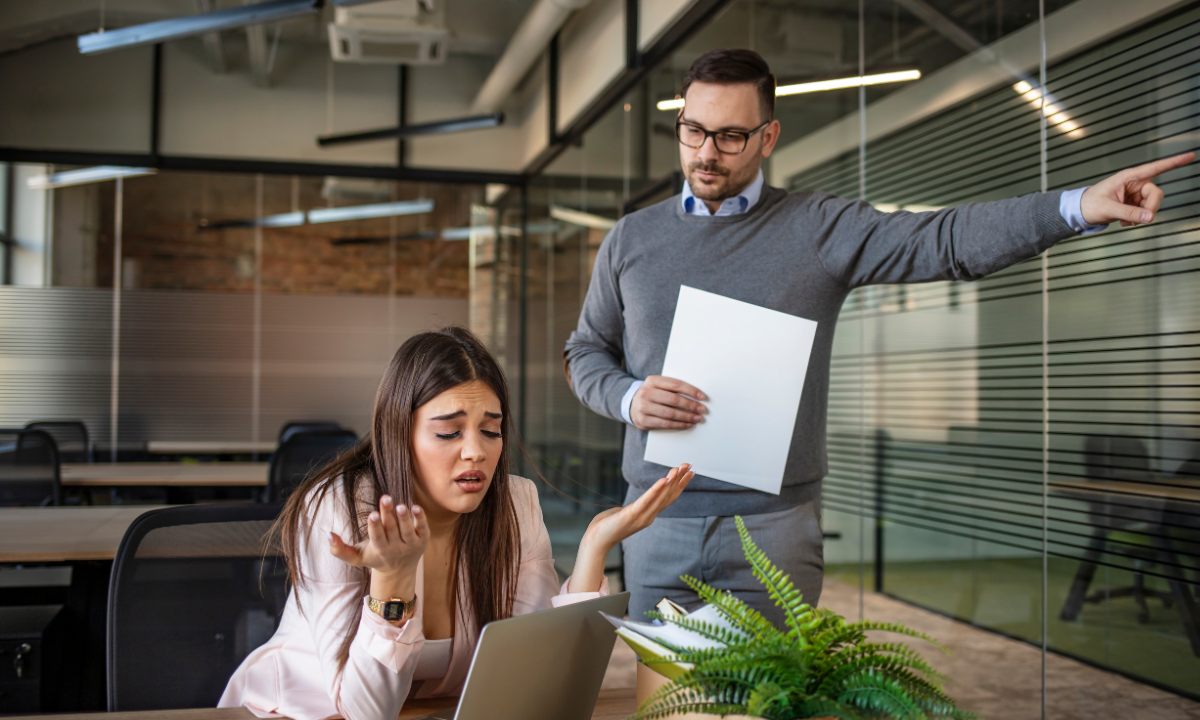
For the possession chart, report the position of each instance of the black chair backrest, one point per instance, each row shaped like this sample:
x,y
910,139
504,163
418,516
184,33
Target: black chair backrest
x,y
29,470
1115,457
302,454
298,426
191,595
74,444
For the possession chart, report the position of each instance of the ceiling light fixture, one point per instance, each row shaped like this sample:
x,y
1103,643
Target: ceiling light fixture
x,y
823,85
175,28
578,217
366,212
82,176
1055,115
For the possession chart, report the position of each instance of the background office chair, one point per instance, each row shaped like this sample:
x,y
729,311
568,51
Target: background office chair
x,y
71,436
29,470
191,595
297,426
1120,525
302,454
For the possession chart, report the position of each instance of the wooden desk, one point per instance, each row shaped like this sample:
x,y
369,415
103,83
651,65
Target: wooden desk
x,y
209,447
60,534
612,705
165,474
1169,488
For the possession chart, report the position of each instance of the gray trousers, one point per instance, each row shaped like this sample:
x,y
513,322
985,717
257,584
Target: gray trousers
x,y
709,549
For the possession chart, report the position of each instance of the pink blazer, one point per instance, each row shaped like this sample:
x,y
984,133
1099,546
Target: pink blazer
x,y
295,672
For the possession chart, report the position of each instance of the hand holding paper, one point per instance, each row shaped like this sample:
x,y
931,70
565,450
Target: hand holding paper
x,y
751,362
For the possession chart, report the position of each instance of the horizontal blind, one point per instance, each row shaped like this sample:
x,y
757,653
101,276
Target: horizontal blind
x,y
949,374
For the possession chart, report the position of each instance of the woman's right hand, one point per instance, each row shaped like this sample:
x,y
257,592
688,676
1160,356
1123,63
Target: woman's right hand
x,y
396,540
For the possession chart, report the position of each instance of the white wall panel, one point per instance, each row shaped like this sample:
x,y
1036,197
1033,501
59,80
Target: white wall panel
x,y
227,115
54,98
591,53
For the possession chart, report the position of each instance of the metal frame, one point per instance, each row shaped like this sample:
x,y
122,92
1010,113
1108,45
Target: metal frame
x,y
266,167
473,122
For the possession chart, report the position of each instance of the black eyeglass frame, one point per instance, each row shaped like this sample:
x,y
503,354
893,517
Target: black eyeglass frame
x,y
713,134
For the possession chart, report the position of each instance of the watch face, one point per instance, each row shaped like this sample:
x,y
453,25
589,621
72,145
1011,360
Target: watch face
x,y
393,611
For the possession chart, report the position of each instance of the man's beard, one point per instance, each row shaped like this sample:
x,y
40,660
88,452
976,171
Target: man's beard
x,y
715,191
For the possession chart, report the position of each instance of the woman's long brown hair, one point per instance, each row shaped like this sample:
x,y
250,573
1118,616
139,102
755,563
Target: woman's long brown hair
x,y
486,541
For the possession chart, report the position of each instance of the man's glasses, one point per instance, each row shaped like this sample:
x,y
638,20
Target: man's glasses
x,y
730,142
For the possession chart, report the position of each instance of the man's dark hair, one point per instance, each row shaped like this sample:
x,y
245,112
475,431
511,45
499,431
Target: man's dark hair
x,y
735,67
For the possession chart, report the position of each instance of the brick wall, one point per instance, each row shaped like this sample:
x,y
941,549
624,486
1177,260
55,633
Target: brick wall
x,y
165,244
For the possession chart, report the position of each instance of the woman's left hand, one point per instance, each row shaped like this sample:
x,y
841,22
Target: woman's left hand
x,y
612,526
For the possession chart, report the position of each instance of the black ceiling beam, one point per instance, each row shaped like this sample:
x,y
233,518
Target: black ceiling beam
x,y
176,28
267,167
474,122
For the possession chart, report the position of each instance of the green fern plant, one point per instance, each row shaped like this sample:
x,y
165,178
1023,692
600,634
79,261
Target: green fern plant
x,y
821,666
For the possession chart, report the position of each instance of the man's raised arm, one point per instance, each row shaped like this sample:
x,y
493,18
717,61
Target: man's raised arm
x,y
860,245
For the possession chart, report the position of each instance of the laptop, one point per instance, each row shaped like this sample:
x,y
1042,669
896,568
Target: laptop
x,y
546,665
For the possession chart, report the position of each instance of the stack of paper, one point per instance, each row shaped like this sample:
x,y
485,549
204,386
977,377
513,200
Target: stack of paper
x,y
657,641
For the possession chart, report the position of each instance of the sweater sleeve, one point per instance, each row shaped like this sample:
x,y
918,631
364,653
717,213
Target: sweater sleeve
x,y
859,245
595,352
379,670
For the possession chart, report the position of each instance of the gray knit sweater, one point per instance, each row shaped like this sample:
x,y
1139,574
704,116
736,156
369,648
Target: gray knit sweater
x,y
798,253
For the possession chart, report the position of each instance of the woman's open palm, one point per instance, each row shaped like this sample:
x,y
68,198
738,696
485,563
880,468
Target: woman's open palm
x,y
396,540
615,524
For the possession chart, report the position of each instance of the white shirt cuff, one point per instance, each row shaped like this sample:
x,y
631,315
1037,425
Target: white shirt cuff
x,y
1070,206
627,400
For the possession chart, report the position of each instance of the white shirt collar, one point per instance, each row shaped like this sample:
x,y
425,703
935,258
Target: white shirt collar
x,y
735,205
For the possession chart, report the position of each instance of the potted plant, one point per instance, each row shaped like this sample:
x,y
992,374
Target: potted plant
x,y
820,667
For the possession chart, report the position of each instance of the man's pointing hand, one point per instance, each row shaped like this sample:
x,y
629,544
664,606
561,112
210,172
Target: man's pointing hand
x,y
1129,197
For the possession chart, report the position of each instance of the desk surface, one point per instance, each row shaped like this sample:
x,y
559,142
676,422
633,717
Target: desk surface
x,y
209,447
165,474
56,534
612,705
1167,488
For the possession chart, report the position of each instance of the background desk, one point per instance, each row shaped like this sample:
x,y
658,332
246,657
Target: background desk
x,y
1155,506
86,538
62,534
209,447
165,474
612,705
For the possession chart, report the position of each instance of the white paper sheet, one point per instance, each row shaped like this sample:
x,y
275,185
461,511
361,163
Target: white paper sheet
x,y
750,361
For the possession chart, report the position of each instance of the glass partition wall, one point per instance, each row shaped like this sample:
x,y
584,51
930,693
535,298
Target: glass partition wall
x,y
1017,453
217,307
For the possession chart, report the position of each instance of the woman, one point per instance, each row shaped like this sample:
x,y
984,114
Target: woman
x,y
400,551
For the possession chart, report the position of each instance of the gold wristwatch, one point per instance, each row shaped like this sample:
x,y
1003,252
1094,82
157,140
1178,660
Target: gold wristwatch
x,y
394,610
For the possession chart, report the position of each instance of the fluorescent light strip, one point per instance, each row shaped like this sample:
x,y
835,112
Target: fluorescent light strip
x,y
822,85
578,217
175,28
1056,116
82,176
487,231
282,220
363,212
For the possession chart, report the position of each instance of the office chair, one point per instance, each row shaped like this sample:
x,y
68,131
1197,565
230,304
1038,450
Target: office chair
x,y
191,595
29,469
297,426
1123,521
71,436
302,454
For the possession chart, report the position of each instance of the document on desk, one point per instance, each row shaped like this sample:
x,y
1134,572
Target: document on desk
x,y
750,361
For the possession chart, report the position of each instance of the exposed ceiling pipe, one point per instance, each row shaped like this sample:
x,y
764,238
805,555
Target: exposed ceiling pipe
x,y
528,43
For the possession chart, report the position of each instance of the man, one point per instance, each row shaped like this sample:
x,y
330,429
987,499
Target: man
x,y
798,253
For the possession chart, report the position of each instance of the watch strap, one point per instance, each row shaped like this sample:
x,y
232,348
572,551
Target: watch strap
x,y
393,610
